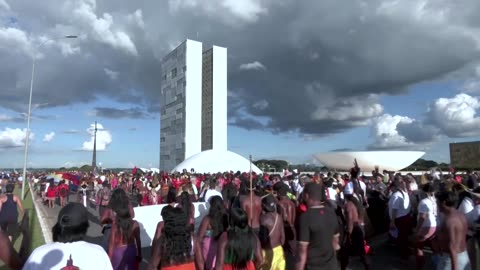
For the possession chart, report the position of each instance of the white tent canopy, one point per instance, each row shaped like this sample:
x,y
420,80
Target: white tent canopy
x,y
214,161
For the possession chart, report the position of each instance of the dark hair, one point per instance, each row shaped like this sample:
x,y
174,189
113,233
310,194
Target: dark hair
x,y
269,204
68,234
171,195
165,210
212,183
243,190
281,189
315,191
218,216
229,192
186,203
118,200
428,188
120,204
242,241
448,197
329,182
354,172
72,226
9,188
175,241
399,184
124,223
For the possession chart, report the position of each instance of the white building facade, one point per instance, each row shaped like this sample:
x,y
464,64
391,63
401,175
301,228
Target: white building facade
x,y
193,103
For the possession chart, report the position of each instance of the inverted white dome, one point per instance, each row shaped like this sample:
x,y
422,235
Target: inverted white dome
x,y
367,160
214,161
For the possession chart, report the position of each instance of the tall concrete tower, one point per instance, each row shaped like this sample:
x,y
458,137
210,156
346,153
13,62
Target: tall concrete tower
x,y
193,106
214,99
180,104
94,158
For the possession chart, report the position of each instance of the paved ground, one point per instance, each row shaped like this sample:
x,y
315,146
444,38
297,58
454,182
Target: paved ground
x,y
94,234
384,257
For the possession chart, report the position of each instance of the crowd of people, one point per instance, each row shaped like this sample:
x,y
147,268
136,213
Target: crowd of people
x,y
289,221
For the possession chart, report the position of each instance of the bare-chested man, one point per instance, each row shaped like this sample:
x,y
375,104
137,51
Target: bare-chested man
x,y
272,235
252,205
288,210
452,233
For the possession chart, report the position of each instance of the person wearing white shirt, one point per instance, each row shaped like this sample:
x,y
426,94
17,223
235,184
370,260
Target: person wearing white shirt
x,y
298,185
427,222
363,187
466,204
68,248
194,187
400,220
212,191
470,206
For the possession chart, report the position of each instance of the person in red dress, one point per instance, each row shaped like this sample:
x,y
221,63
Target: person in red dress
x,y
63,193
51,194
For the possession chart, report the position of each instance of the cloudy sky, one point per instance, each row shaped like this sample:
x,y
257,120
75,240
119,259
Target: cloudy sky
x,y
303,76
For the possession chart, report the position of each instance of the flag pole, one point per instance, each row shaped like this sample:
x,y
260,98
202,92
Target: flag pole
x,y
251,192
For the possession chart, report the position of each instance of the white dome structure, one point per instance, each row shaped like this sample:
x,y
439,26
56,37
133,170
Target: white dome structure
x,y
367,160
214,161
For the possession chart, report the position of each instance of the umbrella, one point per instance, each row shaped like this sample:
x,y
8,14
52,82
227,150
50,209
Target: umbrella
x,y
75,179
56,177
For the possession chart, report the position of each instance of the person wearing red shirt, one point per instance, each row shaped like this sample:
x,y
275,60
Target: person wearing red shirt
x,y
63,193
51,195
176,182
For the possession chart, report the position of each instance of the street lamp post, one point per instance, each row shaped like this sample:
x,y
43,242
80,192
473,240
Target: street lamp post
x,y
27,133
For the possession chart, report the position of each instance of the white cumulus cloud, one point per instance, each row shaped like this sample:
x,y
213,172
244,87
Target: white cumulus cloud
x,y
48,137
13,138
385,132
457,116
253,66
16,40
102,28
104,138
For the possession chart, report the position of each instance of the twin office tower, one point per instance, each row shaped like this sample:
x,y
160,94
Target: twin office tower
x,y
193,106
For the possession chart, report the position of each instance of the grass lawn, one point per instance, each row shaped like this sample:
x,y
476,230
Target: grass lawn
x,y
35,229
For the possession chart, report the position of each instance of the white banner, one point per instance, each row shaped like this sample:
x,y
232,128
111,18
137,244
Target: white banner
x,y
149,216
